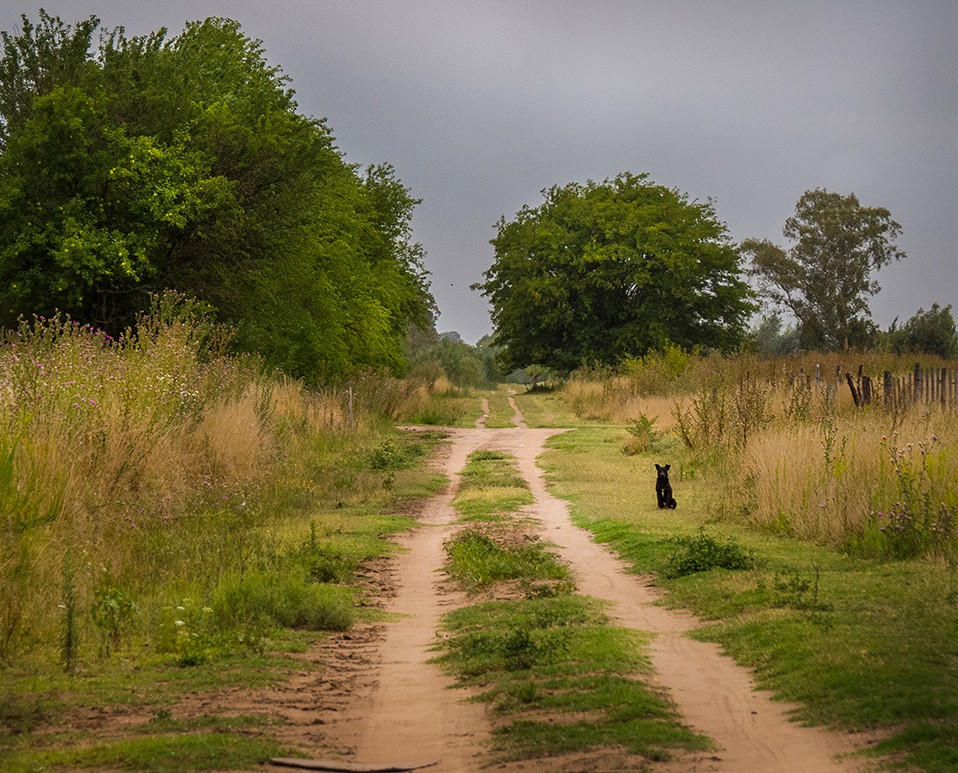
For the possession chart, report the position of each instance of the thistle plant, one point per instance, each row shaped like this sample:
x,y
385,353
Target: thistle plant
x,y
920,521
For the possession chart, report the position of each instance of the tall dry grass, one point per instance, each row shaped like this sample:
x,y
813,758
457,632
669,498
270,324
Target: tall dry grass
x,y
789,449
157,458
865,480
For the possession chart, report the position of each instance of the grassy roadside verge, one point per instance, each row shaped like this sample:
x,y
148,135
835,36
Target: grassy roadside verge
x,y
149,702
559,679
860,644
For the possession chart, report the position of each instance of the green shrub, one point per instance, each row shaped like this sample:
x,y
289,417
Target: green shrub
x,y
188,632
703,553
393,455
113,611
644,438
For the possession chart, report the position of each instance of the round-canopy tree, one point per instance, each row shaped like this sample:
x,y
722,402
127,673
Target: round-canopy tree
x,y
599,272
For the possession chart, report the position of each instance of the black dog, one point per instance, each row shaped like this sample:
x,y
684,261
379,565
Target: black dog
x,y
663,489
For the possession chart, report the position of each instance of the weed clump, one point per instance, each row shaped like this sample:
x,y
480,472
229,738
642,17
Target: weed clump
x,y
703,552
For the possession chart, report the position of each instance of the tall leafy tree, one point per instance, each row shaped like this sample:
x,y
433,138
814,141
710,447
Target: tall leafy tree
x,y
181,162
825,277
602,271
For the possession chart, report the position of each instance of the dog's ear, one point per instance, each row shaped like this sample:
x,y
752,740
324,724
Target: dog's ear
x,y
659,468
667,467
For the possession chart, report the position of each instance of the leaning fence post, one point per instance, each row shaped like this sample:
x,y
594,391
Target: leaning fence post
x,y
854,391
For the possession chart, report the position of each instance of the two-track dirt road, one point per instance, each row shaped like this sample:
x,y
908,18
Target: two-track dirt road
x,y
404,710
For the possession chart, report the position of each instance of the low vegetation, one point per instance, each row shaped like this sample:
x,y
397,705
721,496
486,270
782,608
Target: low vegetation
x,y
167,506
491,487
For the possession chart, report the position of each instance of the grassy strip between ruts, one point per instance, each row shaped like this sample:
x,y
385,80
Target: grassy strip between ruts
x,y
560,679
142,705
491,487
500,411
859,644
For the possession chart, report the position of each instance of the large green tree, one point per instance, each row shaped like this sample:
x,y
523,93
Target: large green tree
x,y
182,162
603,271
825,277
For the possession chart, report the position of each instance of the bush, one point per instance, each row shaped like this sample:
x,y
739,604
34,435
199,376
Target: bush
x,y
703,553
323,562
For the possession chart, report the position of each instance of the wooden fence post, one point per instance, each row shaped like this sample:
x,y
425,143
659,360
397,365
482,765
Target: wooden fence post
x,y
854,391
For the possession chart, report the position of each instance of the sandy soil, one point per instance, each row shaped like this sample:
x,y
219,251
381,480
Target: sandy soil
x,y
379,702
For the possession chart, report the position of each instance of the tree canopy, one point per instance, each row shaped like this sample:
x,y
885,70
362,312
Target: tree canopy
x,y
825,279
602,271
182,163
927,332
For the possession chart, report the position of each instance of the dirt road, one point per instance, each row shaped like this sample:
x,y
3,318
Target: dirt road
x,y
405,710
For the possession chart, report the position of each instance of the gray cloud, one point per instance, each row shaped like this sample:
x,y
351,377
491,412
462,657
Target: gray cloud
x,y
481,104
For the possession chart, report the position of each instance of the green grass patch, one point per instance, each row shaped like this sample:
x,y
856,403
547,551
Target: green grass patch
x,y
558,656
491,487
162,754
859,644
544,408
459,408
285,599
477,561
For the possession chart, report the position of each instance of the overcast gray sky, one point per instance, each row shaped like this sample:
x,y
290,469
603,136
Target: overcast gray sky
x,y
481,104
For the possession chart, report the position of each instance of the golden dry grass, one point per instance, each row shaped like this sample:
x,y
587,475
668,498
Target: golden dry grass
x,y
108,449
788,448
